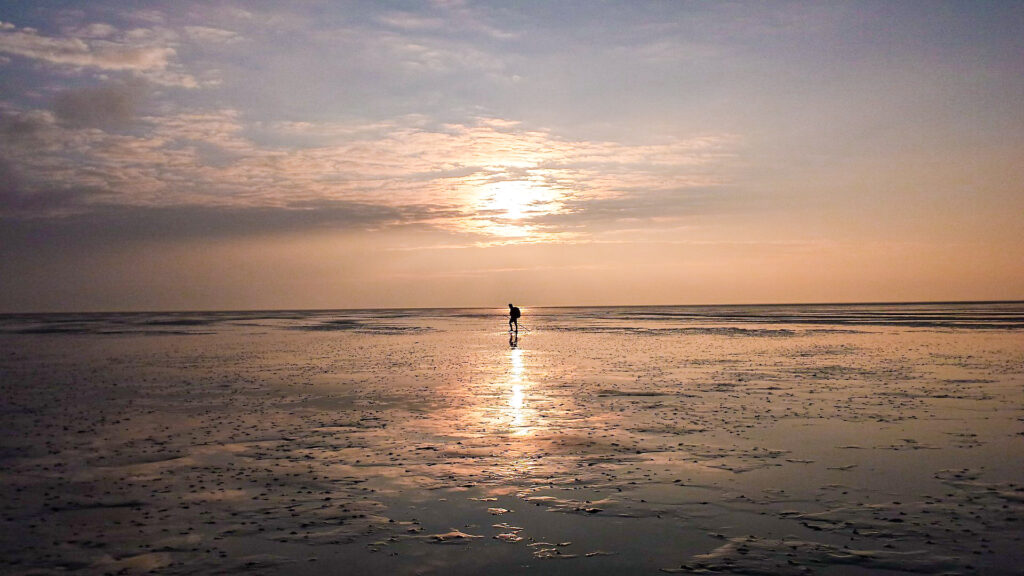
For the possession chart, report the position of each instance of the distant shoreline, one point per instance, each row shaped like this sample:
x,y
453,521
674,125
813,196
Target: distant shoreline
x,y
535,307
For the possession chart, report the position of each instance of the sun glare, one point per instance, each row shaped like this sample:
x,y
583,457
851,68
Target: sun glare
x,y
511,198
505,209
518,199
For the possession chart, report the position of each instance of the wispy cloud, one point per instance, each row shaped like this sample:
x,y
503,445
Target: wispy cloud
x,y
487,272
490,178
448,17
99,46
410,21
211,35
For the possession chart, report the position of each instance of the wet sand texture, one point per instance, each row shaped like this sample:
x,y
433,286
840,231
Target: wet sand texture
x,y
606,443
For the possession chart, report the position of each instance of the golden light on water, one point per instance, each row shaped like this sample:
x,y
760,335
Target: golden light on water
x,y
516,358
510,400
517,408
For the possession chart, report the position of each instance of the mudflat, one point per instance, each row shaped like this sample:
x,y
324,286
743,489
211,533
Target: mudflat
x,y
599,441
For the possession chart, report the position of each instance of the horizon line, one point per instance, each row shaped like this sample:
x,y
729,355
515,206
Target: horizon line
x,y
770,304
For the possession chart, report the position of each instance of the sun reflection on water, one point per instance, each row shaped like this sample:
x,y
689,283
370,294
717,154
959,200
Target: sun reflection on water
x,y
510,402
517,395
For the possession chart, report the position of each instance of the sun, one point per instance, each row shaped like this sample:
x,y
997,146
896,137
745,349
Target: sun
x,y
519,199
511,197
511,208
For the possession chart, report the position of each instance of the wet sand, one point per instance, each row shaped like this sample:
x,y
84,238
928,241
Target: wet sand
x,y
425,444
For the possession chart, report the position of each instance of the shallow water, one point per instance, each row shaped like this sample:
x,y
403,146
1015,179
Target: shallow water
x,y
784,439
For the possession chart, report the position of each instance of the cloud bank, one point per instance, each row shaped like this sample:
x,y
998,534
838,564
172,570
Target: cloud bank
x,y
491,177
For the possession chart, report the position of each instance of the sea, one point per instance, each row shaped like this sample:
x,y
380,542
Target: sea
x,y
1003,315
830,439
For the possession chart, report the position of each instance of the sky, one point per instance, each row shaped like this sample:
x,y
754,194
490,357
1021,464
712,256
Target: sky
x,y
284,155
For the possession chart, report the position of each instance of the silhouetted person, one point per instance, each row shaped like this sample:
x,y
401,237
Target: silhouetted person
x,y
513,318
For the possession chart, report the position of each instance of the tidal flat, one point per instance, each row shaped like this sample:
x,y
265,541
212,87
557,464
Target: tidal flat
x,y
643,440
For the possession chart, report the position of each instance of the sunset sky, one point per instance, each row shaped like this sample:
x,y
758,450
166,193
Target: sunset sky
x,y
239,155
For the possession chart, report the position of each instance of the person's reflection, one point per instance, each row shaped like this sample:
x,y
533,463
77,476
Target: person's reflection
x,y
513,340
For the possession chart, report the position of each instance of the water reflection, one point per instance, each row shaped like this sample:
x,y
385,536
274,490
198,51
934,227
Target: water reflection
x,y
518,410
510,399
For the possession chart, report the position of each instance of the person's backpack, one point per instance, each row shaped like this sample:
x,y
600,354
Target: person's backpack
x,y
516,313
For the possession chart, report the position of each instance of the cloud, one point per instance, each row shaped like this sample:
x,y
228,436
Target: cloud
x,y
74,51
433,55
99,48
20,126
484,272
492,180
10,183
640,206
210,35
110,106
410,21
446,17
98,30
105,223
17,200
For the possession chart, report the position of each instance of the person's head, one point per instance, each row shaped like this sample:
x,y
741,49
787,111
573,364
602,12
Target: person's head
x,y
509,304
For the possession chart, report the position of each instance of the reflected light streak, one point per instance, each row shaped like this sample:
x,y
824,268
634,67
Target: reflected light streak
x,y
517,395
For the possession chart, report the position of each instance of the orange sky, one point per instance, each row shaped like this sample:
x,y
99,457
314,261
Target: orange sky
x,y
357,154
